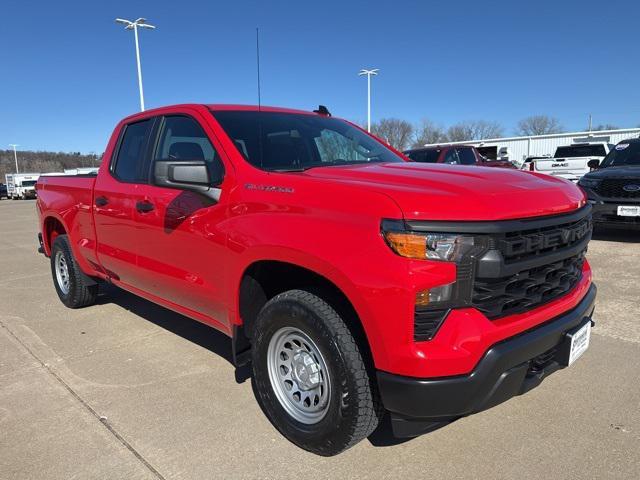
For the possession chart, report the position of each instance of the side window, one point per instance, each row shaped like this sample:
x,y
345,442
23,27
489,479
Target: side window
x,y
417,156
129,163
451,157
466,156
182,138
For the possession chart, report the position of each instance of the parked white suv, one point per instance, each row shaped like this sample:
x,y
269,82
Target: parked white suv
x,y
570,161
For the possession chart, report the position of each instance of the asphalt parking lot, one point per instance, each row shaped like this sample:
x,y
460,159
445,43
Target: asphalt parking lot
x,y
126,390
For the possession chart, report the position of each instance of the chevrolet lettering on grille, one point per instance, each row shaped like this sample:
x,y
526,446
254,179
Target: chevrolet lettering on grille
x,y
544,240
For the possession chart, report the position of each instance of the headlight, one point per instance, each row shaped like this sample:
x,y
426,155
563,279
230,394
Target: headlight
x,y
589,182
429,246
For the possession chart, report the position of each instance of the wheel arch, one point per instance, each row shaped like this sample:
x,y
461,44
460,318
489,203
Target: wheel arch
x,y
52,226
263,279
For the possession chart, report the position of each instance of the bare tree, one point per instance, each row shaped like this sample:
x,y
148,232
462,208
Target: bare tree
x,y
459,132
43,162
474,130
428,132
539,125
394,131
484,129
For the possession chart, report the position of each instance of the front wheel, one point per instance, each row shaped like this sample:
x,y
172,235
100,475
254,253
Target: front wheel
x,y
310,377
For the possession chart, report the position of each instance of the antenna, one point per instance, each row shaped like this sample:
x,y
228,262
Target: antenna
x,y
258,65
259,98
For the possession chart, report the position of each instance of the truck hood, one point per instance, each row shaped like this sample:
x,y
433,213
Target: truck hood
x,y
623,171
451,192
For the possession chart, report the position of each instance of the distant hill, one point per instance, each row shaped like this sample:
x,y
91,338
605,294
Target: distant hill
x,y
44,162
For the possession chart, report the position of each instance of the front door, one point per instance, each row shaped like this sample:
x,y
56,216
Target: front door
x,y
181,256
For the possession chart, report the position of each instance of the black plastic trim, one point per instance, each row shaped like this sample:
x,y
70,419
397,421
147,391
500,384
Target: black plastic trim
x,y
501,373
492,264
497,226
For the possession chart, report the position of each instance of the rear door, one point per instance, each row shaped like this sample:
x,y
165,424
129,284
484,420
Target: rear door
x,y
114,200
182,249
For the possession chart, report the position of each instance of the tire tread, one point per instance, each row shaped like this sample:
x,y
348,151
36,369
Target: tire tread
x,y
369,409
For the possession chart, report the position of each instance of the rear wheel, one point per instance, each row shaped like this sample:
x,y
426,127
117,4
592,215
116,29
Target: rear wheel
x,y
68,278
310,376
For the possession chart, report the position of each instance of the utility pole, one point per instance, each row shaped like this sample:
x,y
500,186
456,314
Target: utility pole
x,y
590,121
15,154
368,73
140,22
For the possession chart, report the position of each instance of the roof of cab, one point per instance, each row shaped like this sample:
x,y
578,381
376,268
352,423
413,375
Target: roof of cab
x,y
254,108
214,107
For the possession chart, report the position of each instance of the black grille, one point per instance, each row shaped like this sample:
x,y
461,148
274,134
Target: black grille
x,y
426,323
614,188
528,289
632,221
516,246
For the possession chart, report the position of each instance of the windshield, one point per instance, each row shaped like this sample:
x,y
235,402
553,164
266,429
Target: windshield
x,y
278,141
28,183
424,156
623,154
580,151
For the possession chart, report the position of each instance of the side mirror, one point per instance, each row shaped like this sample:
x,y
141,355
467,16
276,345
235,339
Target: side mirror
x,y
593,164
192,175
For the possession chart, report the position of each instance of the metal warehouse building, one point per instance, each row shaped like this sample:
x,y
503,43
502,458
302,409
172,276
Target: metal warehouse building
x,y
517,149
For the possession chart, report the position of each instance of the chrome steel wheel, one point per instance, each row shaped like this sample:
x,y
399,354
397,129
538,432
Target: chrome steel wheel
x,y
299,375
62,272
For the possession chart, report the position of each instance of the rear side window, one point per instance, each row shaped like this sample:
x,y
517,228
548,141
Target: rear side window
x,y
129,165
451,157
425,156
466,156
580,151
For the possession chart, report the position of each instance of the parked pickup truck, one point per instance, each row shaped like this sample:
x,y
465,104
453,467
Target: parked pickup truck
x,y
613,186
454,155
350,280
571,161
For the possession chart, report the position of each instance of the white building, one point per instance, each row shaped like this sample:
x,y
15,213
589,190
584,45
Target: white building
x,y
517,149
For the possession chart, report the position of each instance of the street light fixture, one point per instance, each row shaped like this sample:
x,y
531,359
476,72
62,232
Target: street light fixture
x,y
140,22
15,154
368,73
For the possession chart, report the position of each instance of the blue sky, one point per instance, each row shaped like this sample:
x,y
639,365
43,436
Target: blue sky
x,y
68,71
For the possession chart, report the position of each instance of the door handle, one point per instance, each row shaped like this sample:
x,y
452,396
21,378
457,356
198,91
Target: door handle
x,y
144,206
101,201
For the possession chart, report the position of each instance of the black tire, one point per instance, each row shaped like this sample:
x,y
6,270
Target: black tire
x,y
76,294
353,411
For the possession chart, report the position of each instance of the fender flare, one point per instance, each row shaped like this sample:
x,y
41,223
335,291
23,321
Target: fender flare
x,y
313,264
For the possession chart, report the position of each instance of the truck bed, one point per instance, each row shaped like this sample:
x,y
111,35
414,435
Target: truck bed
x,y
70,199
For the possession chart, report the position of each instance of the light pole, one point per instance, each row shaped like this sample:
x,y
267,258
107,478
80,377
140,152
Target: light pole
x,y
15,154
134,26
368,73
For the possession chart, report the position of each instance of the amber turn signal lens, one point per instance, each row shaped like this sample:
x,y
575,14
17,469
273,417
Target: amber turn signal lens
x,y
422,298
407,244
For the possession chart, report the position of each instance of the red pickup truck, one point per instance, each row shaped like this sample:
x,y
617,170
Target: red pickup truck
x,y
352,281
455,155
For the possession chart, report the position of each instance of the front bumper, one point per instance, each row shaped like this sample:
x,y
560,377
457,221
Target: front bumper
x,y
508,368
606,214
